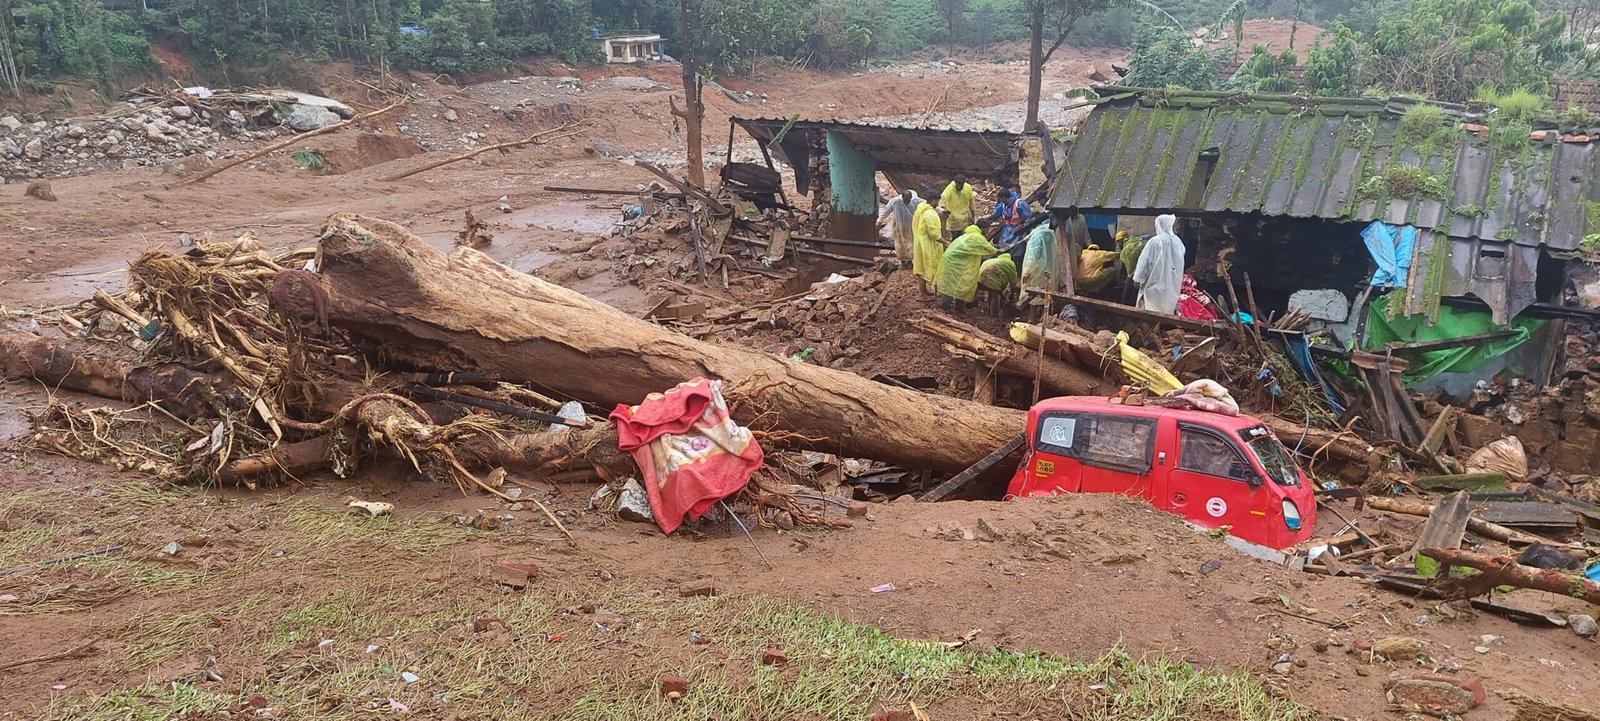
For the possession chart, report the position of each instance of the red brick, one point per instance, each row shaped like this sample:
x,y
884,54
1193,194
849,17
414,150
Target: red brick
x,y
514,575
699,587
674,686
892,716
256,701
857,509
774,657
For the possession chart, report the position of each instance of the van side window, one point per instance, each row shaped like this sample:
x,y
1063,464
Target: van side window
x,y
1119,443
1208,453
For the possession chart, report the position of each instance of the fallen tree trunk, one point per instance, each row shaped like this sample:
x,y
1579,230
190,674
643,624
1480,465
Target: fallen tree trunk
x,y
1505,571
1013,358
80,366
418,307
1319,443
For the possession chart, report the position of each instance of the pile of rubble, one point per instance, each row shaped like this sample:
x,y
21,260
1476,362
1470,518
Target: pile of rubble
x,y
153,130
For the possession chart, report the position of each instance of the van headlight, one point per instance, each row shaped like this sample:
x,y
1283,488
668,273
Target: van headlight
x,y
1291,515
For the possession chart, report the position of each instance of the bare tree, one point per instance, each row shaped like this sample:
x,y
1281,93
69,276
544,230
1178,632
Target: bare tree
x,y
1057,17
952,11
694,109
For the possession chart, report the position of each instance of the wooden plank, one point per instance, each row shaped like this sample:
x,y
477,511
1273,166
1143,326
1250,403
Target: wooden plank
x,y
1447,524
1137,314
1443,343
1464,482
841,241
611,191
966,476
1442,427
679,311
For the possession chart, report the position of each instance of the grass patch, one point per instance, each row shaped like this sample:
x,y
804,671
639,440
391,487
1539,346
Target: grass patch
x,y
1517,104
558,657
322,526
1405,181
151,702
153,638
1427,129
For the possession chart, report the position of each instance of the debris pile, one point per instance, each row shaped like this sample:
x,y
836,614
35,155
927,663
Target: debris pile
x,y
155,128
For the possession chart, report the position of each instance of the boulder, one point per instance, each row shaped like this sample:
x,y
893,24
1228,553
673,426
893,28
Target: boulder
x,y
10,123
34,150
181,112
306,118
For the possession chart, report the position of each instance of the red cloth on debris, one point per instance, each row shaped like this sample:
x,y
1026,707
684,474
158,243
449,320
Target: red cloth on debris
x,y
689,451
1193,303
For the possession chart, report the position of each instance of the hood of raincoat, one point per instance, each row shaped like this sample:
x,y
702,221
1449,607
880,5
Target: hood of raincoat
x,y
1164,224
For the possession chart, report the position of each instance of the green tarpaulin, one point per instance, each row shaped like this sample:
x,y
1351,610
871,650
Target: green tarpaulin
x,y
1453,323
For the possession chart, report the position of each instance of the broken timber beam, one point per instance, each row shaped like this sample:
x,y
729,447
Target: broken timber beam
x,y
611,191
89,368
955,483
1138,314
1012,357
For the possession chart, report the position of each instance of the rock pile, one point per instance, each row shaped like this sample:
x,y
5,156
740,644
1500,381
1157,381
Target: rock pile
x,y
151,136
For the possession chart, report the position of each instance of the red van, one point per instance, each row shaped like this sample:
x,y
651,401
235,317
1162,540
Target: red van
x,y
1212,469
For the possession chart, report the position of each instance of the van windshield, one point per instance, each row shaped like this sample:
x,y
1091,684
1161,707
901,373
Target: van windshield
x,y
1272,455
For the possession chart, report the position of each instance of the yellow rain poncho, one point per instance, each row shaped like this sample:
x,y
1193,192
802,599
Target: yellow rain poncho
x,y
962,263
1041,266
959,202
928,231
1096,269
998,273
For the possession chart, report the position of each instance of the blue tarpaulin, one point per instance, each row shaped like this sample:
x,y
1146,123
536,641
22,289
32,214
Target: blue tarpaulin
x,y
1391,247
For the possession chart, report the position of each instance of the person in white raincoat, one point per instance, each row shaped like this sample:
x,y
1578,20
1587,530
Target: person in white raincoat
x,y
1160,270
897,215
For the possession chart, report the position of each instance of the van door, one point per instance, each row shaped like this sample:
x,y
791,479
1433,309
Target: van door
x,y
1212,483
1093,453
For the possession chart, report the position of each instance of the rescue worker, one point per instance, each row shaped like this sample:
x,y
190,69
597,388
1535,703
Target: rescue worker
x,y
1128,250
1041,265
961,265
1012,211
957,200
998,276
1160,270
927,231
896,215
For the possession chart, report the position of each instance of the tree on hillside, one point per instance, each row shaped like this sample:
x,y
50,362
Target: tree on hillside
x,y
1057,17
10,68
952,11
1448,49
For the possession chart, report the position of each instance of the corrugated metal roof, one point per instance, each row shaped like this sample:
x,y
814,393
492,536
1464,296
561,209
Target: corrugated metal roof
x,y
1141,150
903,149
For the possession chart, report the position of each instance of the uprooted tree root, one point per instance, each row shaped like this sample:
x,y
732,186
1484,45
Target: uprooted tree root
x,y
282,397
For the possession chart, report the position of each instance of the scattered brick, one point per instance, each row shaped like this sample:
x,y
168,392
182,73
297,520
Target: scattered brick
x,y
857,509
774,657
699,587
514,575
674,686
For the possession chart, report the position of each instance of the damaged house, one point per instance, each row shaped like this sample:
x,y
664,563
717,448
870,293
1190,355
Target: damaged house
x,y
837,163
1439,234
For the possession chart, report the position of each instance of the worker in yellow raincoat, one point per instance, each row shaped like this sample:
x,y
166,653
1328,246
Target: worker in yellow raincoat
x,y
998,276
961,265
927,230
957,198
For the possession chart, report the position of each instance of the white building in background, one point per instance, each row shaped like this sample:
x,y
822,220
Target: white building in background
x,y
631,47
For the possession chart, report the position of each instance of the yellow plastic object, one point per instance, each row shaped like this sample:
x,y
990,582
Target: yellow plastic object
x,y
1019,332
1137,366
